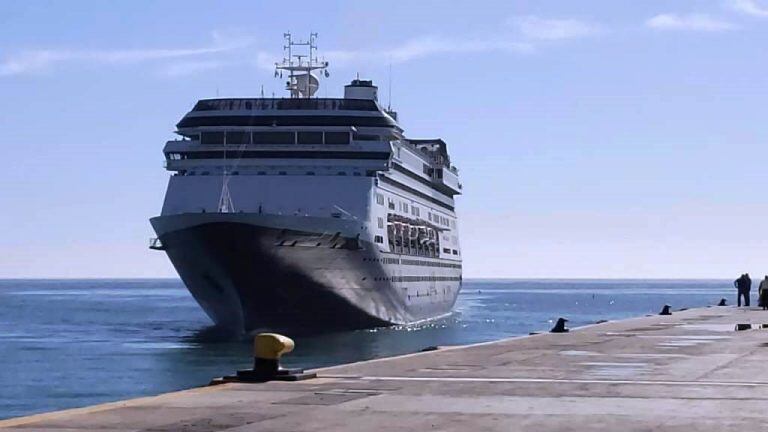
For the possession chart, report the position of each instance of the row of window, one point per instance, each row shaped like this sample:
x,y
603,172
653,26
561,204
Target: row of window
x,y
401,206
282,173
424,263
241,137
415,211
418,278
442,220
424,278
285,104
448,251
420,263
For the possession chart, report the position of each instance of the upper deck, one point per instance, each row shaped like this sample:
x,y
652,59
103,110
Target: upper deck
x,y
285,104
287,112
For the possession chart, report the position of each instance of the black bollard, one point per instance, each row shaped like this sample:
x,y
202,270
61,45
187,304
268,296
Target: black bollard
x,y
722,302
560,326
665,310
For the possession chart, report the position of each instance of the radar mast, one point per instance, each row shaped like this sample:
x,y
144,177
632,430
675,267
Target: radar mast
x,y
301,81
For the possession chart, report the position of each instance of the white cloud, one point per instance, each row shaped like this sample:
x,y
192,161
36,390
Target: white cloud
x,y
693,22
535,28
428,46
30,61
183,68
750,7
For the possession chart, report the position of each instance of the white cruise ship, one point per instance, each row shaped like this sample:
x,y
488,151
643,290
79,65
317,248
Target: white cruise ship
x,y
310,213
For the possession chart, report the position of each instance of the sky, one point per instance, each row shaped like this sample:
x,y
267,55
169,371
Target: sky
x,y
595,139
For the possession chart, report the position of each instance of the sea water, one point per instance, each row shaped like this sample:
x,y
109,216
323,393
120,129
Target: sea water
x,y
71,343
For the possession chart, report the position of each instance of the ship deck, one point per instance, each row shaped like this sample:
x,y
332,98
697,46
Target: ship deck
x,y
690,371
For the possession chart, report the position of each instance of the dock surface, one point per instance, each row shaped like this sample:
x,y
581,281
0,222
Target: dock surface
x,y
690,371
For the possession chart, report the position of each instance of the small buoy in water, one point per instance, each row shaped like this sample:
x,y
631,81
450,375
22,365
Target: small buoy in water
x,y
560,326
665,310
722,302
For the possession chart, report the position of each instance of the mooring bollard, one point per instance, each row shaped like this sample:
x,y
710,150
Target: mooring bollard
x,y
722,302
560,326
665,310
268,348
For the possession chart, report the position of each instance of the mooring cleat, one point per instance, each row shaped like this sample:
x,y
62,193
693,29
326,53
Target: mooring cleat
x,y
560,326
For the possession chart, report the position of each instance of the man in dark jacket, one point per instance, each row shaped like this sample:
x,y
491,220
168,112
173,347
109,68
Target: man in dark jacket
x,y
743,284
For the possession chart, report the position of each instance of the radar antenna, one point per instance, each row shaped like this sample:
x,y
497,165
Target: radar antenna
x,y
301,81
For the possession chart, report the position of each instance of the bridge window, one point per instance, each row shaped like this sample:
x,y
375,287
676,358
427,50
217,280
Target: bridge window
x,y
366,137
212,138
238,138
274,137
310,138
337,138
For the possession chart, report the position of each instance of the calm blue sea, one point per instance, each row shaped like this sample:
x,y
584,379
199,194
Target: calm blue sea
x,y
70,343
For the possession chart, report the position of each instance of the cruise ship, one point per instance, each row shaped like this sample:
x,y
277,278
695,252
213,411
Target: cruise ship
x,y
310,213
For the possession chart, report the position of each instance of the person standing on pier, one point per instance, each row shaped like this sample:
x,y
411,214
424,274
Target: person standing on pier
x,y
762,293
743,284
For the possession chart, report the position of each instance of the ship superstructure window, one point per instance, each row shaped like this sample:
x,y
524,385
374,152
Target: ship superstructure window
x,y
212,138
378,239
415,210
274,137
390,203
337,138
366,137
379,199
238,138
380,222
310,138
405,208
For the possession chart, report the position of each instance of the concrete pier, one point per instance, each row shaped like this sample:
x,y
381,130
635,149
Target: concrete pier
x,y
691,371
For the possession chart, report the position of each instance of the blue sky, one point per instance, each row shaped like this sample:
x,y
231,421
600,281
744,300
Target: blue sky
x,y
594,138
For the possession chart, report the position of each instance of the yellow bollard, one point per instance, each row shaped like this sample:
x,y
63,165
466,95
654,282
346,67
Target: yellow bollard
x,y
271,346
267,350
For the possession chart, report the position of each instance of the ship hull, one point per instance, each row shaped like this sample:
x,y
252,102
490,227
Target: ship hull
x,y
251,272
